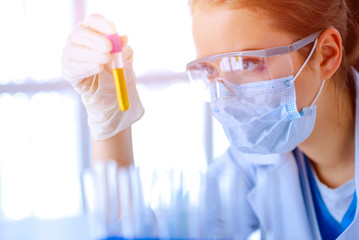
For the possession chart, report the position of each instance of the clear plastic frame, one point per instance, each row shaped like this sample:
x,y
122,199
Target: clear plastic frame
x,y
237,68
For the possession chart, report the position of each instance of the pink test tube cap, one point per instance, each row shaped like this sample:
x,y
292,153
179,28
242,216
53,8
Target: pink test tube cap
x,y
116,42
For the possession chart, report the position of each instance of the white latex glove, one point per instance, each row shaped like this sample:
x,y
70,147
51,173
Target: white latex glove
x,y
86,65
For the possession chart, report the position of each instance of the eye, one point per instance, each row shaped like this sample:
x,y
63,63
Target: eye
x,y
246,65
252,64
206,68
209,69
238,63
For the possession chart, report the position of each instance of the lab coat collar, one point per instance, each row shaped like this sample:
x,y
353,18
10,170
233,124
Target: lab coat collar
x,y
278,203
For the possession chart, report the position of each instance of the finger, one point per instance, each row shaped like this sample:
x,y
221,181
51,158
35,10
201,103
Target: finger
x,y
127,53
77,53
90,39
75,72
99,24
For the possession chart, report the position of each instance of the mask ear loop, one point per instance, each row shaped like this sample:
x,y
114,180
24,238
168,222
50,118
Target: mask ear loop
x,y
306,60
301,69
320,90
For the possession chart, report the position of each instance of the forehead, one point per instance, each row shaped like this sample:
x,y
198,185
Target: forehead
x,y
221,30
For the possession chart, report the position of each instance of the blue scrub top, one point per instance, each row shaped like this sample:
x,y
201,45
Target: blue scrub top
x,y
329,227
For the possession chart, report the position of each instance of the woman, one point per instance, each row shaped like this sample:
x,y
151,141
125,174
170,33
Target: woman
x,y
282,80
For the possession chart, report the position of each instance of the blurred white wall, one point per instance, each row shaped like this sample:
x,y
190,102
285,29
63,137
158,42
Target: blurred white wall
x,y
44,139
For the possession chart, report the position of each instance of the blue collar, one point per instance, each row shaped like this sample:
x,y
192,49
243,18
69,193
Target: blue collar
x,y
329,227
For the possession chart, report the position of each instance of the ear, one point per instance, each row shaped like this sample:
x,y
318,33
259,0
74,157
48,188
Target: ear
x,y
330,52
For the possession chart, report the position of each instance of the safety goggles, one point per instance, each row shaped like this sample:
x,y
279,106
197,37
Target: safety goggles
x,y
236,68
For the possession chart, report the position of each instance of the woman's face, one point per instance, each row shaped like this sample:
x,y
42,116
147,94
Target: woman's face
x,y
221,30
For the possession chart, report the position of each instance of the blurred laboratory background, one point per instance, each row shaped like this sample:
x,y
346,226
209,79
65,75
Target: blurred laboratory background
x,y
44,139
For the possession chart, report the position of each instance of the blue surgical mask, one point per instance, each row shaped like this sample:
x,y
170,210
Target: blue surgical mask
x,y
262,117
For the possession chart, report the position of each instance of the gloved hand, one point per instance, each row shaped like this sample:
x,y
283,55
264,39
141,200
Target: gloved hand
x,y
86,65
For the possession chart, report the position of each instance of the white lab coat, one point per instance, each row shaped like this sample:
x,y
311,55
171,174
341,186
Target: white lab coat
x,y
277,191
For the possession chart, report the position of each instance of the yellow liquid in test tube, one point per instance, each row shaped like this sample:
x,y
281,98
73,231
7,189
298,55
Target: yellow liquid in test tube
x,y
118,72
120,87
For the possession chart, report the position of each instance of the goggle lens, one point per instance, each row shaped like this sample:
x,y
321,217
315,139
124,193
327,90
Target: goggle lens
x,y
232,70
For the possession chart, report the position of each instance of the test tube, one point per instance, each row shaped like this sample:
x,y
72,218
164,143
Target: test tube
x,y
118,72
